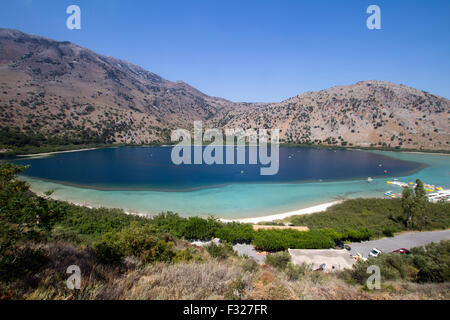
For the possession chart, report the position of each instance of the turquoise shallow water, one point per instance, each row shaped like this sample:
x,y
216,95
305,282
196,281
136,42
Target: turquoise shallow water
x,y
250,200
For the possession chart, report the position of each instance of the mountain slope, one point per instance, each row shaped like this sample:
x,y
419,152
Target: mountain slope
x,y
58,92
56,86
368,113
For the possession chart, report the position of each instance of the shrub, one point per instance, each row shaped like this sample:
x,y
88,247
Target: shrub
x,y
23,261
389,231
236,232
221,251
275,240
431,264
198,228
183,255
109,251
169,222
250,265
278,260
375,214
295,272
333,235
357,235
135,240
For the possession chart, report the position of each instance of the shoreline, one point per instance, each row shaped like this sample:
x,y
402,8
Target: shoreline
x,y
280,216
355,148
251,220
56,152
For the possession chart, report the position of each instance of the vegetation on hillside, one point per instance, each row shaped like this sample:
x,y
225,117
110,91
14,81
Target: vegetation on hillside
x,y
129,257
381,217
429,264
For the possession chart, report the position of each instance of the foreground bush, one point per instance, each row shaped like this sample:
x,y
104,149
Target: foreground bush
x,y
278,260
221,251
276,240
429,264
236,232
24,218
142,242
200,229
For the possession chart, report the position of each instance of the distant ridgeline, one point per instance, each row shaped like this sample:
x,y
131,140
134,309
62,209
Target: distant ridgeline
x,y
56,93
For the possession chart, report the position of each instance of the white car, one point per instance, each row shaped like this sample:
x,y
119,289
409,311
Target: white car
x,y
374,252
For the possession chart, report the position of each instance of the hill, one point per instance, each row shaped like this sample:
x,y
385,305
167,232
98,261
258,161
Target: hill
x,y
367,114
54,92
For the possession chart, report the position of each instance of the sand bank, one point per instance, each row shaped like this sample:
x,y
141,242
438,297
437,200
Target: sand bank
x,y
314,209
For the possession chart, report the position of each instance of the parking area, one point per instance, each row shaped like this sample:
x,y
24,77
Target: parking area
x,y
249,251
407,241
334,260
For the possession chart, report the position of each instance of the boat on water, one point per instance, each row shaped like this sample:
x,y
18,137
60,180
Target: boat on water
x,y
435,193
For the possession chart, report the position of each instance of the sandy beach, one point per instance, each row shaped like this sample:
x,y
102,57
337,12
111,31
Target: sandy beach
x,y
56,152
314,209
253,220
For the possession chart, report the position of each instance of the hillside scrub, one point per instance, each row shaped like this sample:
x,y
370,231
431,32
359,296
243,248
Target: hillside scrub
x,y
381,217
129,257
423,265
276,240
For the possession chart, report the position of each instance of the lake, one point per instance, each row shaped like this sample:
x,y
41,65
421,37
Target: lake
x,y
151,168
143,179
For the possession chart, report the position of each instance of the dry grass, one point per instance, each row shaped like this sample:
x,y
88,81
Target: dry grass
x,y
201,279
209,280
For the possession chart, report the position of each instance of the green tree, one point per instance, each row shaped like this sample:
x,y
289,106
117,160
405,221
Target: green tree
x,y
421,200
24,217
408,205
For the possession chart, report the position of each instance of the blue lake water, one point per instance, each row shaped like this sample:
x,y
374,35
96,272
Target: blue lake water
x,y
143,179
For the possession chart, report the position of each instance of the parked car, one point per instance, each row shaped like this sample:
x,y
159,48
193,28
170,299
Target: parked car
x,y
374,252
401,250
341,245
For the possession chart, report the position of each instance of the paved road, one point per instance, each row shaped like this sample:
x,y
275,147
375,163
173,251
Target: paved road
x,y
250,251
408,241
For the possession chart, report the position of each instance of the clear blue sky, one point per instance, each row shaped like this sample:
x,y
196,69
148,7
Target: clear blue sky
x,y
257,50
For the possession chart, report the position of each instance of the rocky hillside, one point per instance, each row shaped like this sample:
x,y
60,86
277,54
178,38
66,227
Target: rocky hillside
x,y
58,92
63,89
368,113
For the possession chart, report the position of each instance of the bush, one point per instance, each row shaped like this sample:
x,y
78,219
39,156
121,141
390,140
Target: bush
x,y
24,217
169,222
357,235
200,229
376,215
278,260
431,264
295,272
24,261
389,231
250,265
276,240
333,235
109,252
221,251
236,232
135,240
